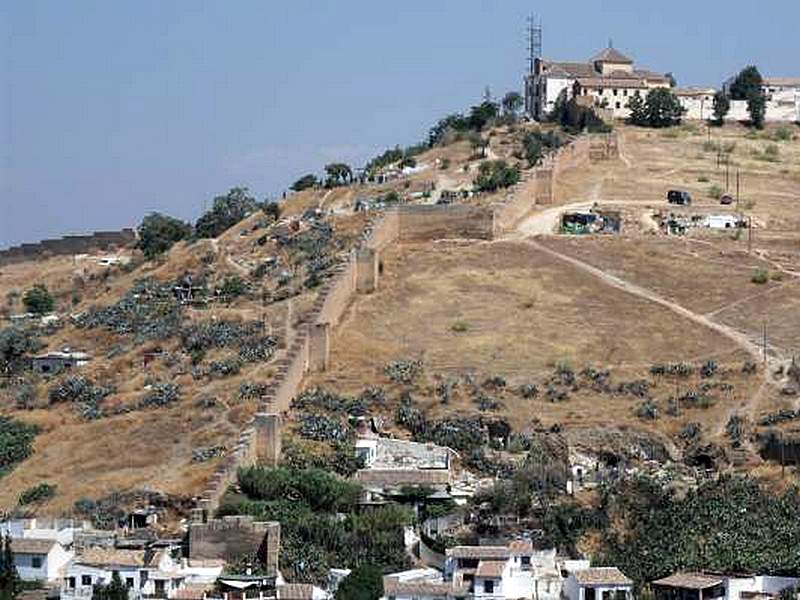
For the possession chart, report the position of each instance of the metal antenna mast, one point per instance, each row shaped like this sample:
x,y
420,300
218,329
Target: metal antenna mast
x,y
534,41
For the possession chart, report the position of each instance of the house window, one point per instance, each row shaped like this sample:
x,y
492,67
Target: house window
x,y
615,91
617,104
36,562
620,595
589,594
71,583
624,92
129,582
86,580
488,586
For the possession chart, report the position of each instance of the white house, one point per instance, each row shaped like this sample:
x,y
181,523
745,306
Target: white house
x,y
598,583
721,221
492,571
698,102
39,559
607,80
700,586
146,573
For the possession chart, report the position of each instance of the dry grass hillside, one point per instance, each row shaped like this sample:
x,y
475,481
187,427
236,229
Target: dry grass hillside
x,y
519,309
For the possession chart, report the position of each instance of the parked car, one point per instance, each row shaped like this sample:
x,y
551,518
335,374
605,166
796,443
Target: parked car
x,y
679,197
726,199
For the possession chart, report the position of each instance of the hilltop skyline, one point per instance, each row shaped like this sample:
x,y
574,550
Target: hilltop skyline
x,y
114,111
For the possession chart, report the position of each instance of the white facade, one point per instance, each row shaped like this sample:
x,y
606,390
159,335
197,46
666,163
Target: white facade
x,y
41,566
598,583
698,103
159,577
764,584
608,80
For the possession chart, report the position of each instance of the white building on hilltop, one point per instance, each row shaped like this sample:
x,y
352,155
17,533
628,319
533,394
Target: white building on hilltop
x,y
607,80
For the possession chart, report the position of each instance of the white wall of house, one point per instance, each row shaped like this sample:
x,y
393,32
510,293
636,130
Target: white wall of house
x,y
574,591
698,108
41,567
760,583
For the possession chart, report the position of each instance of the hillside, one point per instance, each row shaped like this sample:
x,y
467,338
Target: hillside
x,y
484,318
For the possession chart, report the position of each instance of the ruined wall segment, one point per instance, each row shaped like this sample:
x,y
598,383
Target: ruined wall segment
x,y
234,537
68,244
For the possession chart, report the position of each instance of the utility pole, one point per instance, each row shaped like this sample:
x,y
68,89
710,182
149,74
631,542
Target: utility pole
x,y
727,171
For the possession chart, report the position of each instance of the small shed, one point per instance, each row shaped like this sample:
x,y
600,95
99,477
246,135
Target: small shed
x,y
55,362
689,586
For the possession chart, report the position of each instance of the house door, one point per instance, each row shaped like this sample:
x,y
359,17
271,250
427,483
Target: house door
x,y
589,594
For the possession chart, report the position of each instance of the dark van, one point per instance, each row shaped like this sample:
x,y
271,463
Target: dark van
x,y
678,197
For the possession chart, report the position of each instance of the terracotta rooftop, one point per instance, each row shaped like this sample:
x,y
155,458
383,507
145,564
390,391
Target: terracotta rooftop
x,y
609,82
31,546
782,81
491,568
611,55
601,576
689,581
112,556
485,552
422,587
295,591
192,591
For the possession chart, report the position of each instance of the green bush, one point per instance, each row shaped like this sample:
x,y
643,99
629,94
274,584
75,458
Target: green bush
x,y
702,179
232,286
158,233
320,524
37,493
304,183
460,326
38,300
319,490
16,442
494,175
226,211
782,134
365,582
760,276
715,192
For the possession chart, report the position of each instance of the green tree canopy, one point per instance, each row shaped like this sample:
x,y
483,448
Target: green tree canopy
x,y
226,212
574,117
661,109
305,182
757,108
365,582
494,175
747,83
15,343
158,233
38,300
114,590
453,122
482,114
338,174
722,106
511,103
10,584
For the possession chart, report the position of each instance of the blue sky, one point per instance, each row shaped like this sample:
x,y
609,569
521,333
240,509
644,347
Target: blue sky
x,y
111,109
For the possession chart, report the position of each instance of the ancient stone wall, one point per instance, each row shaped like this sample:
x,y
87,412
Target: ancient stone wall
x,y
309,350
235,537
69,244
424,223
